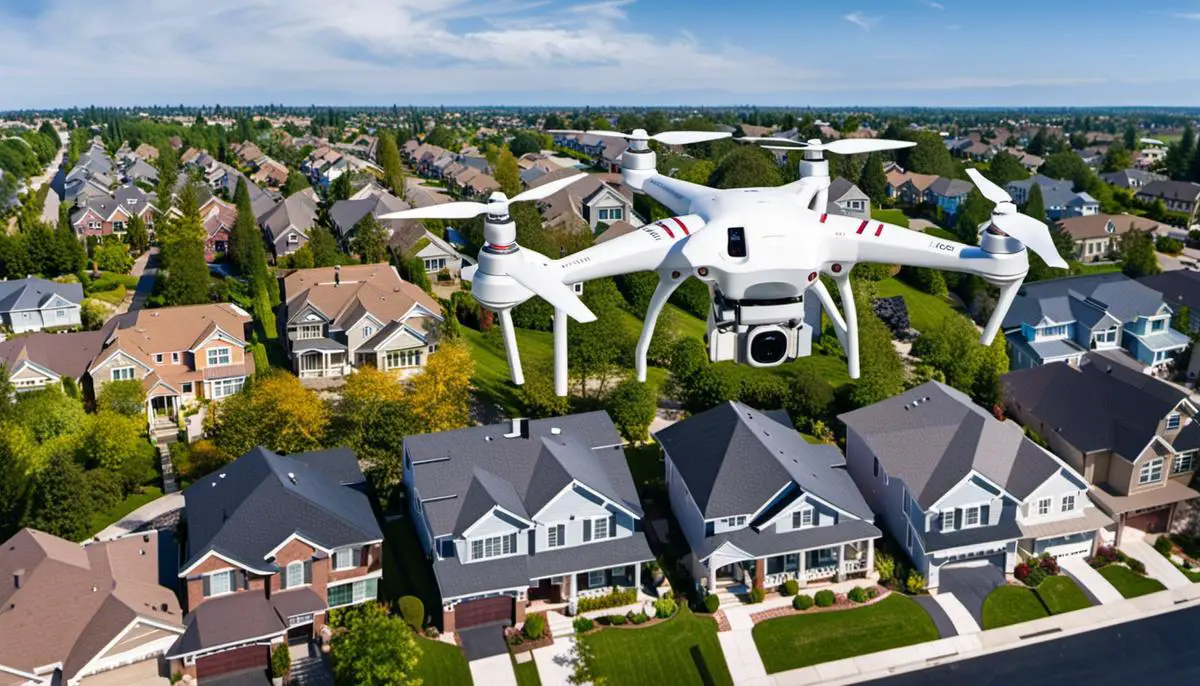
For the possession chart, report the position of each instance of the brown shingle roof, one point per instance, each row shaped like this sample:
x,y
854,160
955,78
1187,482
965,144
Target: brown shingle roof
x,y
65,354
1096,225
365,288
172,329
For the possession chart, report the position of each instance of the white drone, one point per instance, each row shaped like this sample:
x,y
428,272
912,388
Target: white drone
x,y
760,250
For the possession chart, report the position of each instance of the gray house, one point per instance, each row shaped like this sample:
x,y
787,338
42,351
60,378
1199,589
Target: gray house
x,y
760,505
346,214
1131,178
33,304
1058,196
846,198
536,511
957,487
287,224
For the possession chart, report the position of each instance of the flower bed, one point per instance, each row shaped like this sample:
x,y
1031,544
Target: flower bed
x,y
519,640
1180,550
1035,570
646,615
841,601
1107,555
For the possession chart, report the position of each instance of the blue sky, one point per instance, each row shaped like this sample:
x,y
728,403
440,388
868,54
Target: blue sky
x,y
617,52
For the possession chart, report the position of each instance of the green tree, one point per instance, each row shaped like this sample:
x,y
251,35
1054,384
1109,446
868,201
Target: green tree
x,y
443,137
1138,258
1035,206
48,413
295,183
374,408
975,211
1068,165
873,181
537,393
1180,154
57,504
596,348
1005,168
123,397
114,257
244,235
746,167
1130,138
631,404
1039,270
138,235
341,188
182,239
323,247
525,142
1039,144
508,174
389,159
274,411
370,647
71,248
370,240
881,369
17,451
1116,158
929,156
116,442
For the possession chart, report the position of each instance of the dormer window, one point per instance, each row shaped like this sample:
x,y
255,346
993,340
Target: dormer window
x,y
802,518
1173,421
1158,324
1109,228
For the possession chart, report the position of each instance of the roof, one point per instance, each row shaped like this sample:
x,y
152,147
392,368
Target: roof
x,y
568,202
142,333
842,189
1131,178
246,509
1178,287
297,211
1083,299
65,354
1098,405
950,188
1185,191
34,293
343,294
716,450
1097,225
615,229
346,214
233,618
933,437
72,601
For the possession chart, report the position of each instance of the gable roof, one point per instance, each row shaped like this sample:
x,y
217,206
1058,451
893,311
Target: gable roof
x,y
933,437
342,293
297,211
1178,287
568,202
1184,191
65,354
842,189
346,214
950,188
1065,300
33,293
1096,225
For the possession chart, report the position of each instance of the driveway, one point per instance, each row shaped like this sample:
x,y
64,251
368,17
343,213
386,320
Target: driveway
x,y
1157,566
483,641
146,269
970,585
251,677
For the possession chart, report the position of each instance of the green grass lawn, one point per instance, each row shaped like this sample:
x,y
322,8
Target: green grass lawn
x,y
803,640
1061,594
527,674
1079,268
681,651
925,312
896,217
100,520
1130,584
442,664
1012,605
112,297
492,379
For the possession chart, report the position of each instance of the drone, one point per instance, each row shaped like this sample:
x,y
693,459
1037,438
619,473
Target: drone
x,y
761,252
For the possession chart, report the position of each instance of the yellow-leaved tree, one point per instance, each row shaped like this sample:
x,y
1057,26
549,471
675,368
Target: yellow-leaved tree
x,y
441,393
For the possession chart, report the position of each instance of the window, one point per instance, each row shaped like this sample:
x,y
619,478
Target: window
x,y
61,314
600,529
435,264
596,578
948,520
158,358
174,358
1172,421
396,359
223,388
483,548
345,558
118,226
908,538
368,331
293,238
875,468
218,357
295,574
1068,503
1043,507
122,374
1184,462
802,518
219,583
1151,471
307,332
556,536
185,387
356,592
1158,325
972,516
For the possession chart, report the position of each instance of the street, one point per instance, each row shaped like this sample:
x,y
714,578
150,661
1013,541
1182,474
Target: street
x,y
1158,650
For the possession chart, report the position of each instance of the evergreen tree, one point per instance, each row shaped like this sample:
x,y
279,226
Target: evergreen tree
x,y
137,234
323,247
1131,137
341,188
389,159
58,504
873,181
508,174
244,236
295,183
187,281
1035,206
975,211
370,240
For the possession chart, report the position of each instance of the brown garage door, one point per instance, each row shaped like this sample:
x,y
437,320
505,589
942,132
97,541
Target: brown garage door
x,y
1154,522
482,611
236,660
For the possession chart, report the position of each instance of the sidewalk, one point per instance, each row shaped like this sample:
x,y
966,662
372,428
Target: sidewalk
x,y
554,662
1093,584
142,516
1157,566
959,615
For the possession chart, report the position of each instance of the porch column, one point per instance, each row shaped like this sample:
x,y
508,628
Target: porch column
x,y
870,555
150,413
841,563
573,583
801,577
760,572
637,576
712,577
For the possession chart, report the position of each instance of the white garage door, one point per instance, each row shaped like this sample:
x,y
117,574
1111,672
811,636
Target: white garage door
x,y
1066,546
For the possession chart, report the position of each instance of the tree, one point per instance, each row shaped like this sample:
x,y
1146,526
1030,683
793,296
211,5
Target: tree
x,y
873,181
1039,270
1005,168
137,234
882,370
57,503
48,413
187,281
370,647
1116,158
17,451
323,247
295,183
442,137
274,411
632,404
524,142
1131,137
1035,206
114,257
123,397
596,348
71,249
341,188
1136,249
538,397
1068,165
929,156
746,167
1039,143
975,211
508,174
389,159
301,259
441,391
244,235
115,442
370,240
372,413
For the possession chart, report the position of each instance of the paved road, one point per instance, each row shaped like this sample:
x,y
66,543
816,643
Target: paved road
x,y
52,168
1157,650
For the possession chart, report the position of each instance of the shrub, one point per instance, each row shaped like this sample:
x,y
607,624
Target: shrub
x,y
711,603
639,618
616,620
535,626
665,607
885,565
872,592
757,595
582,625
790,587
802,602
1021,571
858,594
1048,564
432,632
825,598
915,582
616,598
413,611
514,638
1035,577
1136,565
1164,546
281,661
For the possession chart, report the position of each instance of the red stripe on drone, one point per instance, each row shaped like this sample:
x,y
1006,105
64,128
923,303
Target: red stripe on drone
x,y
681,226
824,217
665,228
862,226
879,231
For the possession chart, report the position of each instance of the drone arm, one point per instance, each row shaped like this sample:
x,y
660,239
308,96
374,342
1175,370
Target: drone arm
x,y
678,195
510,346
662,292
835,317
649,248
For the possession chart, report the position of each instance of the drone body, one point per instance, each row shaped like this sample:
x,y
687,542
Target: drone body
x,y
760,250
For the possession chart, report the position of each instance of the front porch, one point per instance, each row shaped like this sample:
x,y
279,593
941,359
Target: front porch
x,y
831,563
563,592
317,363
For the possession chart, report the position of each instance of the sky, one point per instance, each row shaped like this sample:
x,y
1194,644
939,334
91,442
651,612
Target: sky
x,y
935,53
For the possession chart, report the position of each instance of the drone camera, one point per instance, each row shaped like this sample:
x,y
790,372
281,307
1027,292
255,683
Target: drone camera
x,y
760,333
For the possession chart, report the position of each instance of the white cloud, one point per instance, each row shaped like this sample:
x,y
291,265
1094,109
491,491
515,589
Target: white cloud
x,y
611,9
932,5
862,21
1194,16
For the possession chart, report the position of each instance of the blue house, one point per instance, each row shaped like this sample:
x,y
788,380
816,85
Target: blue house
x,y
1061,319
1058,196
949,194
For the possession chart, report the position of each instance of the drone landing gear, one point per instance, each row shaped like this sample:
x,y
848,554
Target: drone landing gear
x,y
662,292
510,346
846,328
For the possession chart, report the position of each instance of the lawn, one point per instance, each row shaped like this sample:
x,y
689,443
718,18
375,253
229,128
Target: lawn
x,y
492,379
896,217
681,651
803,640
1130,584
1061,594
100,520
112,297
925,312
1012,605
405,571
527,674
442,664
1079,268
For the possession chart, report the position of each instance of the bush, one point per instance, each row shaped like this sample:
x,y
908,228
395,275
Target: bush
x,y
665,607
639,618
1169,245
616,598
1035,577
790,587
281,661
858,594
1021,571
885,565
711,603
1164,545
1136,565
514,638
915,582
413,611
825,598
583,625
757,595
1105,554
535,626
1048,564
616,620
802,602
872,592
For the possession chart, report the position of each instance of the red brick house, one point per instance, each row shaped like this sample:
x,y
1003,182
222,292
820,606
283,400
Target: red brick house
x,y
109,214
218,217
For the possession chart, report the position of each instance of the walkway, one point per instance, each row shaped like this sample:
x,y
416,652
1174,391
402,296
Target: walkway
x,y
960,616
497,669
937,613
1092,582
142,516
1157,566
145,268
555,662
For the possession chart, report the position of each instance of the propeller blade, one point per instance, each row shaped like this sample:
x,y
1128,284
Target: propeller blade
x,y
468,272
988,189
450,210
547,189
542,281
772,140
856,146
565,131
689,137
1033,234
609,134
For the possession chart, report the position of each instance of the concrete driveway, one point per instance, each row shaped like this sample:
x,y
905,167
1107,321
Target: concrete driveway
x,y
252,677
970,585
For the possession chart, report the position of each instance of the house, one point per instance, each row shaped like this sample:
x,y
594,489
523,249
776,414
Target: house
x,y
597,199
346,214
846,198
948,194
180,354
271,544
510,514
957,487
247,153
146,152
218,218
1058,196
1179,196
759,505
424,196
910,188
1180,288
410,240
1096,235
34,304
75,614
338,317
104,214
41,359
288,223
1061,319
143,172
270,173
1132,436
1131,178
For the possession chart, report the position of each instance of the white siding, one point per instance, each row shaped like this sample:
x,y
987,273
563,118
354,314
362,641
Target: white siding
x,y
1055,488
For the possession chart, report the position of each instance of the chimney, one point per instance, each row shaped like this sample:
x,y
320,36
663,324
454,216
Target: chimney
x,y
17,578
520,428
337,275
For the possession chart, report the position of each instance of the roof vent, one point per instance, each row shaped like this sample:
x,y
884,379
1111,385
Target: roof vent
x,y
554,431
222,475
292,477
142,552
520,428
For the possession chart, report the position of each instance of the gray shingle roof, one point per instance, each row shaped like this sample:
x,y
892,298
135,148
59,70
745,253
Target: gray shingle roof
x,y
950,188
1062,300
346,214
735,459
841,188
33,292
1178,287
933,436
229,619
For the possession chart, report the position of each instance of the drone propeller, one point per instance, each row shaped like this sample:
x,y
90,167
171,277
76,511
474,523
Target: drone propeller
x,y
666,137
843,146
497,204
1032,233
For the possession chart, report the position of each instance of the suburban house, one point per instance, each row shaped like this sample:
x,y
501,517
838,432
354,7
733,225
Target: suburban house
x,y
40,359
1058,196
346,214
1061,319
1131,178
955,486
141,171
410,240
336,318
146,152
509,514
1096,235
218,218
180,354
270,173
1132,436
247,153
591,201
272,543
1178,196
910,188
847,199
759,505
1181,289
948,194
83,615
35,304
286,225
104,214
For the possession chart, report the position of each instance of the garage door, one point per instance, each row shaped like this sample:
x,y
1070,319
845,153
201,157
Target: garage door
x,y
1154,522
475,612
996,559
239,659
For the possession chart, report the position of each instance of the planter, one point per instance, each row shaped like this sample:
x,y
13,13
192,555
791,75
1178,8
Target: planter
x,y
277,680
